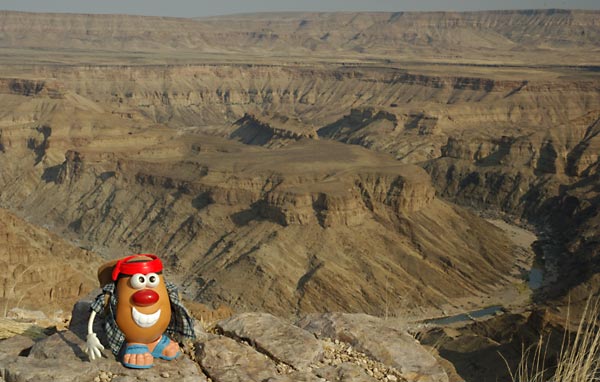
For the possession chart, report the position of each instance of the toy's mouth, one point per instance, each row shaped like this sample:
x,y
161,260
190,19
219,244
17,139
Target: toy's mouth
x,y
145,320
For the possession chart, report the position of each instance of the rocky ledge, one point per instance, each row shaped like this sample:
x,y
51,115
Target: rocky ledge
x,y
245,347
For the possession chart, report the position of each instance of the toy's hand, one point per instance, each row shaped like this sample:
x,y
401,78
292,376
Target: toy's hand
x,y
93,346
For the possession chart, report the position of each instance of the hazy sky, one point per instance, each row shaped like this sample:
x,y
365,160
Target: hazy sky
x,y
189,8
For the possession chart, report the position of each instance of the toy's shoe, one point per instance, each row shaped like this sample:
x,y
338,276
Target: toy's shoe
x,y
160,347
132,359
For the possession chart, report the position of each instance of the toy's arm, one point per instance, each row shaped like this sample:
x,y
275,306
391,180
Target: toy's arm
x,y
92,346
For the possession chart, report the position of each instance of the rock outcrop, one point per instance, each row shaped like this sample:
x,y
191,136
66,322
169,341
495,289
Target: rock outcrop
x,y
253,130
250,347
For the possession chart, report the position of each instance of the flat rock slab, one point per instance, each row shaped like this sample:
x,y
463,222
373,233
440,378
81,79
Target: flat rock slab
x,y
225,360
60,358
380,340
280,339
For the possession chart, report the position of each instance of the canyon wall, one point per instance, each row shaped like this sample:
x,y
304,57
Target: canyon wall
x,y
224,162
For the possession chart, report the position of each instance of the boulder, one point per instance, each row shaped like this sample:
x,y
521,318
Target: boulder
x,y
280,339
251,347
225,360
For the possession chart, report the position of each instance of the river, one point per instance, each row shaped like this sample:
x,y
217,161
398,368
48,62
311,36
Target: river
x,y
523,240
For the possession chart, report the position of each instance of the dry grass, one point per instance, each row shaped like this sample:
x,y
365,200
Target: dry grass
x,y
578,359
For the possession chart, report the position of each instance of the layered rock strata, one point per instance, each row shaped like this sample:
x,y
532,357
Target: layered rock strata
x,y
311,226
433,35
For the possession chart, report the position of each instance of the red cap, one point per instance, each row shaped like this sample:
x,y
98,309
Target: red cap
x,y
143,267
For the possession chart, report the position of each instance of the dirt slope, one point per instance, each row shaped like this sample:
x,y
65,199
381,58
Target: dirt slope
x,y
41,271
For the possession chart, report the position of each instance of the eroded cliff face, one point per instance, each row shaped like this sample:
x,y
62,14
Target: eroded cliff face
x,y
547,177
122,162
295,235
310,225
209,95
540,166
40,271
137,152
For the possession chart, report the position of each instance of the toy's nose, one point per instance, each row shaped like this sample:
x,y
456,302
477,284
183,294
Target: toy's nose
x,y
145,297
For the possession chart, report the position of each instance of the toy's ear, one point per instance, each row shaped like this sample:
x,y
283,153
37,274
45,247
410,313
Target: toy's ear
x,y
105,272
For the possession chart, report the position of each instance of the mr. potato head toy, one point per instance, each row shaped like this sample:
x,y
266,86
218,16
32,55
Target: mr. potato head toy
x,y
139,308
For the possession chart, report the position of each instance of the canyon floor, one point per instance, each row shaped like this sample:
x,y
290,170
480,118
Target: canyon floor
x,y
306,163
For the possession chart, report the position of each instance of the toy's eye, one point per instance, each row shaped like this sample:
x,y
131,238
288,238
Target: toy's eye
x,y
153,280
138,281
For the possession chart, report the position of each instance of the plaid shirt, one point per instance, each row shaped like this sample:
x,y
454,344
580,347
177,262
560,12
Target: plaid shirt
x,y
181,324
